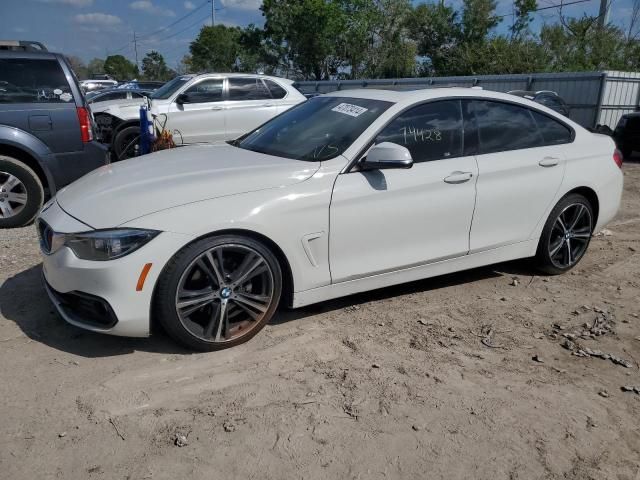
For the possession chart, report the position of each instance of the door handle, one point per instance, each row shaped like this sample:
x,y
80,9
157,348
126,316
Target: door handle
x,y
270,105
216,108
458,177
549,162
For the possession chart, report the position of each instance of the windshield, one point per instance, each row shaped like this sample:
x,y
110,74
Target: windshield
x,y
318,129
170,87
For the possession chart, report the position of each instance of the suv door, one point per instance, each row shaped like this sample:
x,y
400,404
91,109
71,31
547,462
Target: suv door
x,y
521,163
387,220
200,117
249,105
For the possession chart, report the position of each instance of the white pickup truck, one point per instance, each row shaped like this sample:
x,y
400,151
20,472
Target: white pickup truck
x,y
202,108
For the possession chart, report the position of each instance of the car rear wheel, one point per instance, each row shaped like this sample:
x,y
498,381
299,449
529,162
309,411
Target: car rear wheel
x,y
21,193
566,235
125,143
218,292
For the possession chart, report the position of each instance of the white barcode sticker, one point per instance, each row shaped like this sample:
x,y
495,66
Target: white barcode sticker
x,y
349,109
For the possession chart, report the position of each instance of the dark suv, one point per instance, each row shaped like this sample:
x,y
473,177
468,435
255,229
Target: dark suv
x,y
46,130
627,134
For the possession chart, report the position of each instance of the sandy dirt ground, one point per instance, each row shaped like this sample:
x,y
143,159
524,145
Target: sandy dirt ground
x,y
458,377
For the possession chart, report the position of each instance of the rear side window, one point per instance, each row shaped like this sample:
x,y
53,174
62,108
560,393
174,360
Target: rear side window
x,y
502,127
33,81
111,96
276,90
432,131
549,101
553,132
247,89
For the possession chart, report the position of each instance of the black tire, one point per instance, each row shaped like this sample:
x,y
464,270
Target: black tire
x,y
124,142
561,261
185,267
29,184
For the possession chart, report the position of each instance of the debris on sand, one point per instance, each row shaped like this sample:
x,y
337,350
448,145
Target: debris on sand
x,y
579,351
229,426
486,335
628,388
537,358
514,282
603,394
604,233
180,440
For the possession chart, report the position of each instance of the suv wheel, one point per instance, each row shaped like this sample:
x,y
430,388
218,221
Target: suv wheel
x,y
21,193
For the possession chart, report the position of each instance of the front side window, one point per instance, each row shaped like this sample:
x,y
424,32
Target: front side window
x,y
503,126
247,89
318,129
206,91
33,81
432,131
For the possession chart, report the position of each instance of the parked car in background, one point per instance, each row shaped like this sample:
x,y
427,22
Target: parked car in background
x,y
349,191
115,96
46,132
141,85
547,98
205,108
627,134
92,85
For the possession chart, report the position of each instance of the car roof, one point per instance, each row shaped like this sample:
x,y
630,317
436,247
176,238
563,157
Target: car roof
x,y
29,54
238,74
411,96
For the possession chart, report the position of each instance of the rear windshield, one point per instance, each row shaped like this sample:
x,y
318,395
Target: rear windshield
x,y
33,81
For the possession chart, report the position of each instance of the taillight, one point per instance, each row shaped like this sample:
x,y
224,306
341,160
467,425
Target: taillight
x,y
86,133
618,158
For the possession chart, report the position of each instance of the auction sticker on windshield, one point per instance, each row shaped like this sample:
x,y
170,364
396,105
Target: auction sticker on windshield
x,y
349,109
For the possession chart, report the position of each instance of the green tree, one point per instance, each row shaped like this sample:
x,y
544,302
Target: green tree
x,y
120,68
216,49
522,17
154,67
78,66
95,66
437,31
478,19
304,36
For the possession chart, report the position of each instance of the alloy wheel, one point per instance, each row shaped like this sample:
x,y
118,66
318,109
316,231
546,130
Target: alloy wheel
x,y
13,195
224,293
570,235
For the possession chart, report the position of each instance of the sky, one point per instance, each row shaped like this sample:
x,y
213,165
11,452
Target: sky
x,y
97,28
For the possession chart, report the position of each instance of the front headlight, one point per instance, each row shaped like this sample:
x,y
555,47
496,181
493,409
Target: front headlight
x,y
103,245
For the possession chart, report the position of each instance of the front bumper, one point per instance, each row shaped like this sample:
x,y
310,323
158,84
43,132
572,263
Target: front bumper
x,y
113,283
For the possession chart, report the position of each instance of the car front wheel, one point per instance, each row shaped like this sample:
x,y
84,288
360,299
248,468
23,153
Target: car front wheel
x,y
566,235
218,292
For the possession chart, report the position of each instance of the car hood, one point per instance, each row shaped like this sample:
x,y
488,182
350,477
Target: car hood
x,y
121,192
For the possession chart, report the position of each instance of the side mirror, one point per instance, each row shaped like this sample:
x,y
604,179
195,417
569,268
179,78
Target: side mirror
x,y
387,155
182,98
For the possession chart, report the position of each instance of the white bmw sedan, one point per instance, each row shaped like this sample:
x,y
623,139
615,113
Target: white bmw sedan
x,y
347,192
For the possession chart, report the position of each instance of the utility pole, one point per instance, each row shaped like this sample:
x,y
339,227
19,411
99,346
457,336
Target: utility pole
x,y
213,13
605,10
135,47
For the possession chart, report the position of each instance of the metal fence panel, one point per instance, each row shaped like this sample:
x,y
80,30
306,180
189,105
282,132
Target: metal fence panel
x,y
621,95
582,91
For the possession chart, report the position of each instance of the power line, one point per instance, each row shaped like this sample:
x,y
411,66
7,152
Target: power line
x,y
177,21
560,5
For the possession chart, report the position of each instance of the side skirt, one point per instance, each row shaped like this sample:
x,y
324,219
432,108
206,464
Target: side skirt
x,y
474,260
